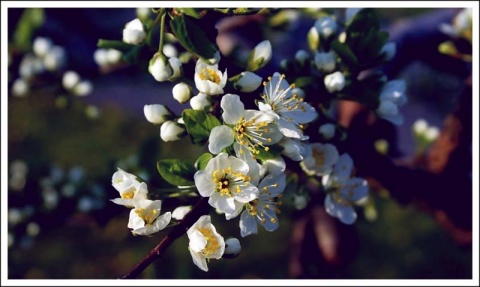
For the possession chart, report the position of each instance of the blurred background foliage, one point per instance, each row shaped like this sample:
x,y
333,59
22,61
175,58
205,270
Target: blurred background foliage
x,y
57,233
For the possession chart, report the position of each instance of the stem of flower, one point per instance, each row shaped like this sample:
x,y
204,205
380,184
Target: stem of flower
x,y
162,30
200,208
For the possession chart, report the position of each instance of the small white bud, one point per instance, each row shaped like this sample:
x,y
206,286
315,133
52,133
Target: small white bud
x,y
325,62
156,114
262,50
232,247
432,133
100,57
133,33
299,201
83,88
170,51
55,59
302,56
327,131
420,126
248,82
182,92
160,68
177,68
389,50
20,87
334,82
200,102
41,46
70,79
171,131
326,26
113,56
33,229
143,13
180,212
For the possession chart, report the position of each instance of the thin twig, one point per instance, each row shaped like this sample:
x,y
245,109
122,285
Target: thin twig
x,y
200,208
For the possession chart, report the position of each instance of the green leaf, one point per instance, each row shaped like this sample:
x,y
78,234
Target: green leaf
x,y
199,124
344,52
274,151
192,12
117,45
29,22
176,171
364,20
203,160
193,38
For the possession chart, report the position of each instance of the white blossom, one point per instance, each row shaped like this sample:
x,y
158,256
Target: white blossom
x,y
177,68
83,88
128,197
20,87
289,110
204,242
250,128
327,131
145,218
134,33
125,183
226,181
180,212
41,46
262,53
208,79
70,79
55,59
321,161
295,149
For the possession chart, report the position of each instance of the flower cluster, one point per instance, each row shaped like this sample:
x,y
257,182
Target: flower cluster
x,y
258,135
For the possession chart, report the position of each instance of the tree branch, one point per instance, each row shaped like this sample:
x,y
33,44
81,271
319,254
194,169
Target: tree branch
x,y
200,208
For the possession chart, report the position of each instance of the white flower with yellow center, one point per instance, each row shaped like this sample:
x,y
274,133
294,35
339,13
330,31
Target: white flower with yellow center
x,y
226,182
343,191
321,161
128,198
289,110
125,183
145,218
263,210
205,242
208,79
252,129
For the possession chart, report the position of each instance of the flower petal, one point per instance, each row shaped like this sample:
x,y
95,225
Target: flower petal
x,y
248,224
204,183
220,138
197,241
199,260
233,108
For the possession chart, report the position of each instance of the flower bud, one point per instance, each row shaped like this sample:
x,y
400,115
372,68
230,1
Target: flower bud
x,y
313,39
389,50
334,82
180,212
177,68
160,68
420,126
156,114
302,56
432,134
20,87
133,33
326,26
260,56
30,66
232,248
169,51
325,62
182,92
248,82
200,102
83,88
143,13
299,201
327,131
41,46
113,56
55,59
171,131
100,57
70,79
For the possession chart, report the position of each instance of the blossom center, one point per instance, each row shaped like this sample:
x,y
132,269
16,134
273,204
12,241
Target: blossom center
x,y
228,181
212,242
128,194
209,74
252,134
319,156
148,216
